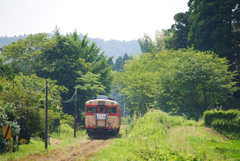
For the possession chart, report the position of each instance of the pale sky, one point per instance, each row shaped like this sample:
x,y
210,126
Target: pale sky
x,y
106,19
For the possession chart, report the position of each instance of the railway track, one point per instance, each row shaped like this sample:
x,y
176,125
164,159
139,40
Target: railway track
x,y
81,150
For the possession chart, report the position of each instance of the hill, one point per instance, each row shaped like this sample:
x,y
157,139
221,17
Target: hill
x,y
113,48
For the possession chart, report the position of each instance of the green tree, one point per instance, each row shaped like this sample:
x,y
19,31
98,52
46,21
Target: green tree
x,y
25,96
208,25
182,81
215,26
118,65
136,83
24,55
61,58
179,32
120,61
146,44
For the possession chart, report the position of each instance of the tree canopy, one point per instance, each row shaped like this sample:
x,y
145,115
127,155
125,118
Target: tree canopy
x,y
176,81
209,25
66,59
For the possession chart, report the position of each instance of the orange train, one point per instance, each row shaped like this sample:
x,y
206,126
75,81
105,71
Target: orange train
x,y
102,117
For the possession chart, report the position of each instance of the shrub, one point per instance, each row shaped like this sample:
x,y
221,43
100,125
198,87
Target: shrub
x,y
154,122
226,122
8,116
31,122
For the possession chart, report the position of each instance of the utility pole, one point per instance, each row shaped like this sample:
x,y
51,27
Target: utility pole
x,y
75,114
46,118
124,109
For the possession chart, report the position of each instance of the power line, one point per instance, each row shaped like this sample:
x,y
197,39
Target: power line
x,y
70,98
21,88
47,85
61,100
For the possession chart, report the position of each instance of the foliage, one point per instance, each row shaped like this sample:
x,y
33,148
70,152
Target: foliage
x,y
8,116
120,61
178,34
72,61
31,122
90,84
66,119
5,71
23,55
21,100
25,91
183,81
111,48
146,44
145,139
126,120
226,122
208,25
153,122
66,62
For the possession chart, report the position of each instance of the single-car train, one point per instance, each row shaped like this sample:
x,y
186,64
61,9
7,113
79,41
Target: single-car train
x,y
102,117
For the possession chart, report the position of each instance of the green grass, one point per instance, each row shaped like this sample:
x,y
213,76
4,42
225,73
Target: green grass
x,y
158,136
38,145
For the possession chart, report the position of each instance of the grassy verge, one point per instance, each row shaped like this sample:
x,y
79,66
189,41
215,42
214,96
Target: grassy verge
x,y
38,145
158,136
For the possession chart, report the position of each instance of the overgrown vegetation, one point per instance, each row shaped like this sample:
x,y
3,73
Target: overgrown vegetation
x,y
225,122
159,136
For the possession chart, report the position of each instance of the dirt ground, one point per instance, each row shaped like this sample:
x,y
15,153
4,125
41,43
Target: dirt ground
x,y
80,150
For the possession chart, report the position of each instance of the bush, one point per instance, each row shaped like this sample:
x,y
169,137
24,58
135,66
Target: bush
x,y
8,116
226,122
31,122
67,119
154,122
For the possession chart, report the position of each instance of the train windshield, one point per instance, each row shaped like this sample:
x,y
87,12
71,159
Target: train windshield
x,y
91,109
111,110
101,109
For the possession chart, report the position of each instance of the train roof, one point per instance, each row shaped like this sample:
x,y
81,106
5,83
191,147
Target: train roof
x,y
103,97
100,98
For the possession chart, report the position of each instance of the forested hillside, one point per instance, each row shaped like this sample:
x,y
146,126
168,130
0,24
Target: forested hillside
x,y
110,48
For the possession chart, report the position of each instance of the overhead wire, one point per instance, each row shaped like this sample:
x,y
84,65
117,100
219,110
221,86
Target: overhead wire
x,y
70,98
38,90
62,100
20,87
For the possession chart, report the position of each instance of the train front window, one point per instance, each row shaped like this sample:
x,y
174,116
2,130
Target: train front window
x,y
111,110
91,109
101,109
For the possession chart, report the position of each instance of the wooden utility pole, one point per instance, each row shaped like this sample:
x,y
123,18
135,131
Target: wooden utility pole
x,y
75,114
46,118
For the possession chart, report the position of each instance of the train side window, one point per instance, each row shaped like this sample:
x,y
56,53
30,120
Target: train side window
x,y
91,110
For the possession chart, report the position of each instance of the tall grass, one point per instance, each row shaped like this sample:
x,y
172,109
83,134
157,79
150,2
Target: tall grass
x,y
159,136
146,139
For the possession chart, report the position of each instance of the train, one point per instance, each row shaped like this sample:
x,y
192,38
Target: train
x,y
102,117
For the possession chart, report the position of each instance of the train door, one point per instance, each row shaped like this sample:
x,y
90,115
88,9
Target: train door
x,y
101,116
101,109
